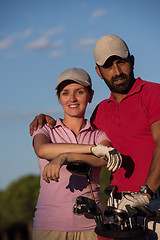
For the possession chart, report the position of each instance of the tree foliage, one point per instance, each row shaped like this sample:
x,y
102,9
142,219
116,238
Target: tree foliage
x,y
18,202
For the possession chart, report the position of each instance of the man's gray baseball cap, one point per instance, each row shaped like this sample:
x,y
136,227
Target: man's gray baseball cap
x,y
75,74
110,45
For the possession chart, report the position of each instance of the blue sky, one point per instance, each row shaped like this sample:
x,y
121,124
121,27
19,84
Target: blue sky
x,y
41,38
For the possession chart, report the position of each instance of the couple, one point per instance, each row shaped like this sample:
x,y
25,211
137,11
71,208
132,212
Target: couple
x,y
130,119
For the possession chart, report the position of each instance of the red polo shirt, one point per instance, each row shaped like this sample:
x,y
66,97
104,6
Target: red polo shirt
x,y
128,126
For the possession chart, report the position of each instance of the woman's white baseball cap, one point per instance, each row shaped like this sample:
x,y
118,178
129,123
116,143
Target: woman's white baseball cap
x,y
75,74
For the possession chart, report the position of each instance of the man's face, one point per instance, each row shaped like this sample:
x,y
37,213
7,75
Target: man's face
x,y
118,74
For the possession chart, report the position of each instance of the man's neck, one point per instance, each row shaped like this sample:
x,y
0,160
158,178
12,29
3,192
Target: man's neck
x,y
118,97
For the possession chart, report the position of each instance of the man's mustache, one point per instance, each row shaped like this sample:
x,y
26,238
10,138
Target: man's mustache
x,y
121,76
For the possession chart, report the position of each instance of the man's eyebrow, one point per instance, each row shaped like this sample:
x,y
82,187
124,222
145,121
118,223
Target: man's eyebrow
x,y
108,64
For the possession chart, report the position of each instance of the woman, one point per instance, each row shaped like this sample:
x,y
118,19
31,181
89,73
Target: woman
x,y
71,139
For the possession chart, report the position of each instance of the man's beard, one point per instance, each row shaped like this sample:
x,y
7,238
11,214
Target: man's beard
x,y
122,88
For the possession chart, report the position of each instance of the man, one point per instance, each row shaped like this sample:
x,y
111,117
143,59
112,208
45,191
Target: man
x,y
131,120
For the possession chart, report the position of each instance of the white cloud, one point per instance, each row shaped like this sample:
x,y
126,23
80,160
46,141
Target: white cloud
x,y
98,13
58,43
86,42
40,44
56,54
37,45
53,31
27,33
43,43
6,42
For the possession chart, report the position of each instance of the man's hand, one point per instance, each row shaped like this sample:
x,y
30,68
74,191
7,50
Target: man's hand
x,y
111,155
39,121
51,170
134,200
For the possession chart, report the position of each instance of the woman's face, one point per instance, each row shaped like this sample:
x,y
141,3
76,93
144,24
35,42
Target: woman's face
x,y
74,99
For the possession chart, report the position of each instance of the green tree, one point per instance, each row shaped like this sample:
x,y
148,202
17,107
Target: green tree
x,y
104,180
18,202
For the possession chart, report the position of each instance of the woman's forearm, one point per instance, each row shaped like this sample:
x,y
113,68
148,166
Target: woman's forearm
x,y
87,158
51,150
46,150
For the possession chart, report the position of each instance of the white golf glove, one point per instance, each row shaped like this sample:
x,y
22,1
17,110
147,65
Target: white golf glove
x,y
113,157
134,200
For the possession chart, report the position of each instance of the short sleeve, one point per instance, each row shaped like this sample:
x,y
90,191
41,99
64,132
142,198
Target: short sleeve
x,y
151,100
44,130
100,136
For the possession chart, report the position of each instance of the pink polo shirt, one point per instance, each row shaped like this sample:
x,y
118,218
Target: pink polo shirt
x,y
56,200
128,126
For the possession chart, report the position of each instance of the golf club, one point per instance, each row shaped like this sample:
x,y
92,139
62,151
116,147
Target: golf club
x,y
110,191
143,211
151,215
86,205
133,213
147,213
109,211
123,217
82,169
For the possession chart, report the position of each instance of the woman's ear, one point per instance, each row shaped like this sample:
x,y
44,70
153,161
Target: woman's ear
x,y
58,96
98,72
91,96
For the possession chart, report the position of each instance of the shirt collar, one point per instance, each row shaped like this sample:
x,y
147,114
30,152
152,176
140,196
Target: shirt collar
x,y
59,123
139,83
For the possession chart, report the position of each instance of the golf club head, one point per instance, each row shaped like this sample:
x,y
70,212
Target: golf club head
x,y
79,168
80,209
151,215
123,218
85,200
122,214
90,204
109,211
132,210
111,189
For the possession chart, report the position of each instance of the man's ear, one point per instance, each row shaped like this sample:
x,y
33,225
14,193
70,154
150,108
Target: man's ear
x,y
132,61
98,72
